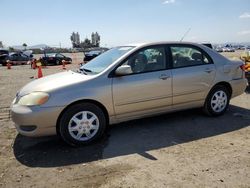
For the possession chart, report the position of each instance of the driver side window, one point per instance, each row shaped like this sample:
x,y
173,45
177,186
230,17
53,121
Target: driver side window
x,y
59,55
147,60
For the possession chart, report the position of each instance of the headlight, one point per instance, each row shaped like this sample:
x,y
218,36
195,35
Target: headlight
x,y
35,98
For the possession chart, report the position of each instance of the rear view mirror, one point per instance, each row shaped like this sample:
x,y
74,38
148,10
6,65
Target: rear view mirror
x,y
123,70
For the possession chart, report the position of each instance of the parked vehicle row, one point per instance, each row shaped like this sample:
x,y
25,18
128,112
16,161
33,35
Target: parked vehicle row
x,y
225,49
16,58
125,83
23,57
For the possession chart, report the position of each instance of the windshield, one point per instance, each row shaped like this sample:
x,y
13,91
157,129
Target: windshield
x,y
93,52
102,61
50,55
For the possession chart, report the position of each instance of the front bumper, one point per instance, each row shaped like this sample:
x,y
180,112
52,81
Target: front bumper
x,y
35,121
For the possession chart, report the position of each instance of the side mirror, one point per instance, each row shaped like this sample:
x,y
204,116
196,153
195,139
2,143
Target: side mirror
x,y
123,70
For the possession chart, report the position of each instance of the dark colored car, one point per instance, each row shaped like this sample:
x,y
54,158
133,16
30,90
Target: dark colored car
x,y
17,58
3,55
92,54
55,59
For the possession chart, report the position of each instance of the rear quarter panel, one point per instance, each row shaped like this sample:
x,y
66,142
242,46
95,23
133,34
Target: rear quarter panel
x,y
228,71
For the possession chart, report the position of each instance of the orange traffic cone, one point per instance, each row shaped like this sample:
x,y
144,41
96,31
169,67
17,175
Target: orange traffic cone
x,y
39,73
33,64
8,64
63,65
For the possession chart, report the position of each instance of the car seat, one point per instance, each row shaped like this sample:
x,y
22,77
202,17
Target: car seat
x,y
138,63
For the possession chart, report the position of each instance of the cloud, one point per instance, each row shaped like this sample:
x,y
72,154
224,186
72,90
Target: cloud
x,y
245,15
246,32
168,2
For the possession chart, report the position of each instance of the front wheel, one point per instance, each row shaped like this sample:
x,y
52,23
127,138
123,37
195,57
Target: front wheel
x,y
82,124
217,101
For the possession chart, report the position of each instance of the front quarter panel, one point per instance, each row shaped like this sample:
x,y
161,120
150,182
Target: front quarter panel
x,y
97,89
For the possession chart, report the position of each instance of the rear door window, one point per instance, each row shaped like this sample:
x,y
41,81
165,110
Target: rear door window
x,y
185,56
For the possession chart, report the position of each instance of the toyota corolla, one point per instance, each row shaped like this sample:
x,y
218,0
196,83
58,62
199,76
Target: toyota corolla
x,y
125,83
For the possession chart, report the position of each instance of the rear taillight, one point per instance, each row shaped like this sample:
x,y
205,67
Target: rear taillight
x,y
243,67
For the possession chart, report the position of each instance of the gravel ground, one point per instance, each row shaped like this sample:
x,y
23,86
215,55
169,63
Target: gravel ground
x,y
183,149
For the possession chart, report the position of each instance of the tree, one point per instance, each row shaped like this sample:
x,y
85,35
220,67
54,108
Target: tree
x,y
25,45
86,43
75,39
11,49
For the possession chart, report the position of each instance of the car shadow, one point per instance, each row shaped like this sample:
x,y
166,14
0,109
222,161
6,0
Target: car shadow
x,y
134,137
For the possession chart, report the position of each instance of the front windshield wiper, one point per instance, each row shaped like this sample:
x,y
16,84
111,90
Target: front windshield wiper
x,y
84,71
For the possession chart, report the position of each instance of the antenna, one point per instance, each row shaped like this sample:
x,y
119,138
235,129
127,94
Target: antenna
x,y
185,34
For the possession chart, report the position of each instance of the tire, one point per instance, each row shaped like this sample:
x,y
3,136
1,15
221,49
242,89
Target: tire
x,y
57,62
44,63
76,128
217,101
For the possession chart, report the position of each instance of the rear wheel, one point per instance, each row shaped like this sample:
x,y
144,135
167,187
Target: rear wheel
x,y
217,101
82,124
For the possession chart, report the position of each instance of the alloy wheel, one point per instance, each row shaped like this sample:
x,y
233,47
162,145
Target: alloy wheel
x,y
83,125
219,101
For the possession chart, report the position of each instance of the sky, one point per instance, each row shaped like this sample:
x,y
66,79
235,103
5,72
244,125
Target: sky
x,y
121,22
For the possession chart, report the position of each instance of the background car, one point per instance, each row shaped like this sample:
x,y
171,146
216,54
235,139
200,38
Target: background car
x,y
17,58
228,49
55,59
92,54
3,55
219,49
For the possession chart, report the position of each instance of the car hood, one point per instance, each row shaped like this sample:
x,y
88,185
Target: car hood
x,y
54,82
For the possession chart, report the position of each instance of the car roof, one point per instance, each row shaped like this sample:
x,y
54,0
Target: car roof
x,y
94,51
51,54
12,53
4,50
161,43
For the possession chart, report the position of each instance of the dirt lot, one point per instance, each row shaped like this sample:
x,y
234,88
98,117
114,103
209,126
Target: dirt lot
x,y
183,149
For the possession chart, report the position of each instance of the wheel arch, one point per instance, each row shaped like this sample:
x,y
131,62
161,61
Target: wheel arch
x,y
100,105
226,85
206,107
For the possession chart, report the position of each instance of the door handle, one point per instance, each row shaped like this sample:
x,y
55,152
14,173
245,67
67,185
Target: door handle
x,y
208,70
164,77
